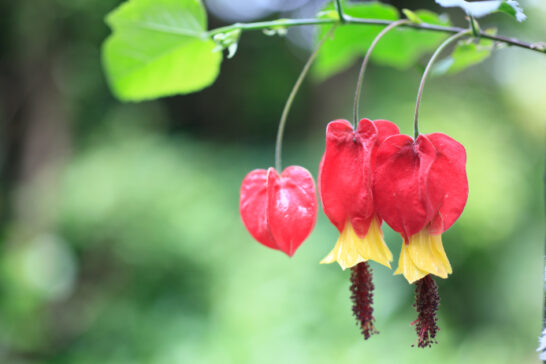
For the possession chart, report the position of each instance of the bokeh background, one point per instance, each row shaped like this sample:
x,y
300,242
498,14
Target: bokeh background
x,y
120,239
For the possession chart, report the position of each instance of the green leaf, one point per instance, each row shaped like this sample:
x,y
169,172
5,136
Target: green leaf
x,y
479,9
400,48
159,48
465,54
513,9
414,18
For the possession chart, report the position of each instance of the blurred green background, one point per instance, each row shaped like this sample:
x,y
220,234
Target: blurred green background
x,y
120,235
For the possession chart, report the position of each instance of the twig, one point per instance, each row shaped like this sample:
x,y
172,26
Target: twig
x,y
288,23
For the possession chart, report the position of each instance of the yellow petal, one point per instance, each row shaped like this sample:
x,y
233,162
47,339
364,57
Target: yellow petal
x,y
423,255
350,249
407,268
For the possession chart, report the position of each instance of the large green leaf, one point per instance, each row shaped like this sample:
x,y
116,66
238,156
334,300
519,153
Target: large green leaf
x,y
159,48
400,48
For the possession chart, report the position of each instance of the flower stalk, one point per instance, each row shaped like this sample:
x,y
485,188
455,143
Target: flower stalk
x,y
365,64
292,96
427,71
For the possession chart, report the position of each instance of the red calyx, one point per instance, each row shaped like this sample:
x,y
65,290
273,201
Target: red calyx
x,y
345,173
279,211
420,183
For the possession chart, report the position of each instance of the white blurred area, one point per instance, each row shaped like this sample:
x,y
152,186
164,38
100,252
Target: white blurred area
x,y
232,11
245,10
540,4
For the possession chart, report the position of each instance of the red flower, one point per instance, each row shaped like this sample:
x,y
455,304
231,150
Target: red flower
x,y
420,189
345,184
279,212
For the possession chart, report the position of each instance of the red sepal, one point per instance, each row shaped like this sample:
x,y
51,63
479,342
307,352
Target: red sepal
x,y
279,211
345,173
447,184
421,183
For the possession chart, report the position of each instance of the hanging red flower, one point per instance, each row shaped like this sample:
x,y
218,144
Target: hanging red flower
x,y
420,189
279,211
345,186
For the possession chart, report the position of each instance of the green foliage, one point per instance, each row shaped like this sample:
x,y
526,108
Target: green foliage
x,y
478,9
401,48
512,8
414,18
159,48
465,54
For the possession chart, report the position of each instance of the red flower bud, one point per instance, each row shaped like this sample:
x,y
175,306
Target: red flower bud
x,y
345,185
420,189
279,212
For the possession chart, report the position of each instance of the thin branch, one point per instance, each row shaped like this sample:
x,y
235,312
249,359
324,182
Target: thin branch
x,y
288,23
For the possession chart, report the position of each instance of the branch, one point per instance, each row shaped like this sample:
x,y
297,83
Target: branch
x,y
288,23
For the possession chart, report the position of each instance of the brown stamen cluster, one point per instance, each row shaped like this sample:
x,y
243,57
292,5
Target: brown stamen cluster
x,y
362,297
427,301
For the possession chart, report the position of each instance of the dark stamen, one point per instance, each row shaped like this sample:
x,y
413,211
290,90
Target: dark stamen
x,y
427,301
362,297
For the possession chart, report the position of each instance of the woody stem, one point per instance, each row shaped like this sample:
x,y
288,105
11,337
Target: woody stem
x,y
427,71
365,64
290,100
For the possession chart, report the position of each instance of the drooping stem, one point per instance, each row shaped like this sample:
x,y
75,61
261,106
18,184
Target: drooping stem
x,y
362,297
365,64
427,71
288,23
427,301
290,100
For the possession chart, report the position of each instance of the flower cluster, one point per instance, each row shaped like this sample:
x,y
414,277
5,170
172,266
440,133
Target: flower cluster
x,y
374,174
367,176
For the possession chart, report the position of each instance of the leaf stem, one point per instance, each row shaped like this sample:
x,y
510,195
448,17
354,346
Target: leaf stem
x,y
288,23
425,74
365,64
473,25
340,13
291,97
